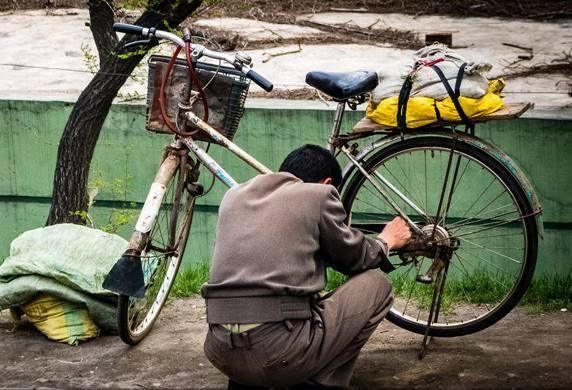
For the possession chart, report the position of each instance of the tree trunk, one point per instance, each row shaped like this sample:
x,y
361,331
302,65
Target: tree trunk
x,y
80,135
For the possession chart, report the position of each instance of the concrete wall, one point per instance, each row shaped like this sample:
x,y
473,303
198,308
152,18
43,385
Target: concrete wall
x,y
126,158
40,4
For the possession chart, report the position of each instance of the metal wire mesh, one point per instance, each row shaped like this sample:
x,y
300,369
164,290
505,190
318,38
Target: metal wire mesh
x,y
226,90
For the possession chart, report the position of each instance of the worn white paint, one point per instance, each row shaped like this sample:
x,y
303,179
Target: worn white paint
x,y
150,208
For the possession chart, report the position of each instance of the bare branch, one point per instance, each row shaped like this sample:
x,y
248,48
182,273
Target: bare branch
x,y
267,56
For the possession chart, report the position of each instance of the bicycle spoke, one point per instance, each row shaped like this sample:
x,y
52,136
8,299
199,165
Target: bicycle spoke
x,y
454,186
490,250
397,193
479,197
503,287
492,264
369,203
418,268
463,270
377,195
480,213
498,235
451,192
497,247
404,189
490,221
478,218
489,227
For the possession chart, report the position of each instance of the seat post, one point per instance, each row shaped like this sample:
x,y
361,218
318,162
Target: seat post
x,y
338,116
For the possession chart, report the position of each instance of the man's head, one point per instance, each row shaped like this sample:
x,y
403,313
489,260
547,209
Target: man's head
x,y
313,164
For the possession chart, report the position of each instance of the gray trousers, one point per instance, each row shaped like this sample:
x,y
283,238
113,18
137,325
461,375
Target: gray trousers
x,y
322,350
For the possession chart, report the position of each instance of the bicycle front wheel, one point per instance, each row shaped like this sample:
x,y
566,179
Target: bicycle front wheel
x,y
472,206
163,250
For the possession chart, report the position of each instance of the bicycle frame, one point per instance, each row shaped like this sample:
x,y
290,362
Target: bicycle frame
x,y
220,173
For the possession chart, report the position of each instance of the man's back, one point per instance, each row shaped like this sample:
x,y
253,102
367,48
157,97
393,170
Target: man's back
x,y
276,233
268,239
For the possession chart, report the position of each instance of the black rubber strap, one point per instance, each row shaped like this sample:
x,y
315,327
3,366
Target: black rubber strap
x,y
437,113
454,97
460,75
402,104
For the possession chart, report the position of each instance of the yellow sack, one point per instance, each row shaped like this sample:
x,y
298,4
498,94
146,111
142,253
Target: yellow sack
x,y
473,108
421,111
60,320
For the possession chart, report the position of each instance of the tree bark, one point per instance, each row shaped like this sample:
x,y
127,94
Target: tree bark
x,y
101,17
80,135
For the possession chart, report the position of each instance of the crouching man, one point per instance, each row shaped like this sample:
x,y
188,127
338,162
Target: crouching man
x,y
276,235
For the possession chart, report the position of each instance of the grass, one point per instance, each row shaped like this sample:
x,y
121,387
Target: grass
x,y
190,279
546,293
549,293
335,279
480,287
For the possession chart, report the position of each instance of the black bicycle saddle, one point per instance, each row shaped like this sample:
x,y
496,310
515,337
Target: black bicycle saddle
x,y
342,86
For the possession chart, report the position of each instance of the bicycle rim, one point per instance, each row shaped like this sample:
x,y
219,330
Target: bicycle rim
x,y
487,213
160,260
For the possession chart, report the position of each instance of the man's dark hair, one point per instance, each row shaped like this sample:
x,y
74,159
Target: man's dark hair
x,y
312,163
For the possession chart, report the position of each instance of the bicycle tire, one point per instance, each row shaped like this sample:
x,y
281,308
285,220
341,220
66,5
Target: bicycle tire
x,y
410,149
135,316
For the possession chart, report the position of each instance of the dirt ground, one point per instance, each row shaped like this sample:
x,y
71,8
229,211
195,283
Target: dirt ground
x,y
522,351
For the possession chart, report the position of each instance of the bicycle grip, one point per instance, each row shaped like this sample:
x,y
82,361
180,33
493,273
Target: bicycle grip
x,y
260,80
128,28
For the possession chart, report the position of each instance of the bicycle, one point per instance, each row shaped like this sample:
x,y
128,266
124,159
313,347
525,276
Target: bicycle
x,y
474,216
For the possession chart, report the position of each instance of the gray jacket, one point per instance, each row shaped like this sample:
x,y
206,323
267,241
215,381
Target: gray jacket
x,y
276,235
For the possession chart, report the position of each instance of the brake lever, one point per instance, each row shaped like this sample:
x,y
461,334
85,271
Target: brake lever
x,y
151,41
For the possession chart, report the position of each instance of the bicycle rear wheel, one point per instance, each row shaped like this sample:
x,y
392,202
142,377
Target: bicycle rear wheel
x,y
163,250
485,224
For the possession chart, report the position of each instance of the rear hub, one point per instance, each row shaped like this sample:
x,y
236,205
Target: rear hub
x,y
436,243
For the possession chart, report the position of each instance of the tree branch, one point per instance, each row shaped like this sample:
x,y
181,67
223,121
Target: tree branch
x,y
101,15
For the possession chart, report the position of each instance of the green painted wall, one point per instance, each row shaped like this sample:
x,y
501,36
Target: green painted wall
x,y
127,156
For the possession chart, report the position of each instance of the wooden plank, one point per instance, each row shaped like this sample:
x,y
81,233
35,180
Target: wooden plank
x,y
509,111
366,125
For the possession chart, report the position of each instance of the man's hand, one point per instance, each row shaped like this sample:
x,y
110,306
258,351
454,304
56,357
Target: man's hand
x,y
396,233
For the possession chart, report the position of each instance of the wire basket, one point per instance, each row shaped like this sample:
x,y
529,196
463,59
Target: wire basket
x,y
226,90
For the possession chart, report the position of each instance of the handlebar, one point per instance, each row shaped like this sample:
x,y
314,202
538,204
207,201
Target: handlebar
x,y
240,62
128,28
264,83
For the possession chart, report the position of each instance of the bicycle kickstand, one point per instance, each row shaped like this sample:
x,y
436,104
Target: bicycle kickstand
x,y
435,307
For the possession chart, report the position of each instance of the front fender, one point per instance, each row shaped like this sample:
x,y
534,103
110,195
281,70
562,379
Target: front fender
x,y
485,146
